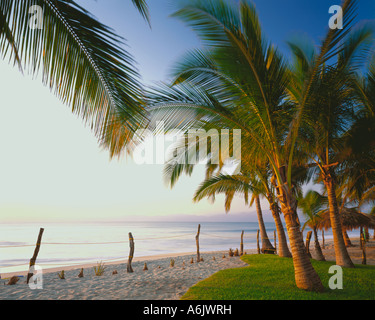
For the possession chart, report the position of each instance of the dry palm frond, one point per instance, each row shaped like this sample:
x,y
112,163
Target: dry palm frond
x,y
351,219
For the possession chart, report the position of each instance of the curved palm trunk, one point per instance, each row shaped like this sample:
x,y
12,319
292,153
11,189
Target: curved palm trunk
x,y
305,275
266,244
283,250
318,249
342,255
347,241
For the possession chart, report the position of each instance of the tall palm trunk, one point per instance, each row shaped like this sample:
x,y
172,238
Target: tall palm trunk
x,y
266,244
318,249
283,250
305,275
342,255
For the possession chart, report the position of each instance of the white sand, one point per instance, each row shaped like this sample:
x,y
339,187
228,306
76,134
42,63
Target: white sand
x,y
164,283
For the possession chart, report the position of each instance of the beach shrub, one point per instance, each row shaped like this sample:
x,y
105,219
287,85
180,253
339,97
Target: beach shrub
x,y
99,269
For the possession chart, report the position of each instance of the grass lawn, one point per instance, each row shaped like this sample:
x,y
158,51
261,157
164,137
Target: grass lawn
x,y
270,277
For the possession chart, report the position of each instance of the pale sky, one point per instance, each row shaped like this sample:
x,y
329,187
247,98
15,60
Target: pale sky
x,y
51,165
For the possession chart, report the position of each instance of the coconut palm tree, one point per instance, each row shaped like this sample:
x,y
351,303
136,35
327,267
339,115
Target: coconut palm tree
x,y
232,185
356,172
242,185
240,81
311,205
81,60
329,110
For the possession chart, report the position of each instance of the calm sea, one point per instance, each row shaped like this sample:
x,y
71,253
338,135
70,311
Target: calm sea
x,y
70,244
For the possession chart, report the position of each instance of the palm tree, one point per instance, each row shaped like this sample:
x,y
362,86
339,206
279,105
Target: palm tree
x,y
232,185
266,244
240,81
356,172
329,112
82,62
311,205
243,185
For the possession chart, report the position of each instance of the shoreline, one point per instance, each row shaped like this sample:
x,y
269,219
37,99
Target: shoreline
x,y
354,252
159,282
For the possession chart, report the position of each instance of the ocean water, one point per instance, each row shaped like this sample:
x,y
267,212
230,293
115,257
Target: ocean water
x,y
74,244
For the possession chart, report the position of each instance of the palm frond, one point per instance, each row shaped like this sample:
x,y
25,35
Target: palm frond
x,y
7,39
82,61
142,7
230,185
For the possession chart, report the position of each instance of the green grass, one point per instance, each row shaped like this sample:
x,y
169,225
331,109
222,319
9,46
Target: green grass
x,y
270,277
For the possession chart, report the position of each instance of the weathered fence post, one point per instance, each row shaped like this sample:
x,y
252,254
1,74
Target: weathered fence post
x,y
308,238
35,255
197,242
258,247
131,253
241,247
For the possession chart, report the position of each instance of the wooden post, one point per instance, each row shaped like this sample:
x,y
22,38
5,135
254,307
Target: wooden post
x,y
360,237
241,247
131,254
80,275
324,242
308,238
35,255
197,242
258,247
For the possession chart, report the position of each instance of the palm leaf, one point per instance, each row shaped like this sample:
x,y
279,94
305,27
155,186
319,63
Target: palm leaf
x,y
142,7
82,61
7,39
230,185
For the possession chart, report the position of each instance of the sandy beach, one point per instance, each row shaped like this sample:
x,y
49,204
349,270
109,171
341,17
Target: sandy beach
x,y
355,252
159,282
